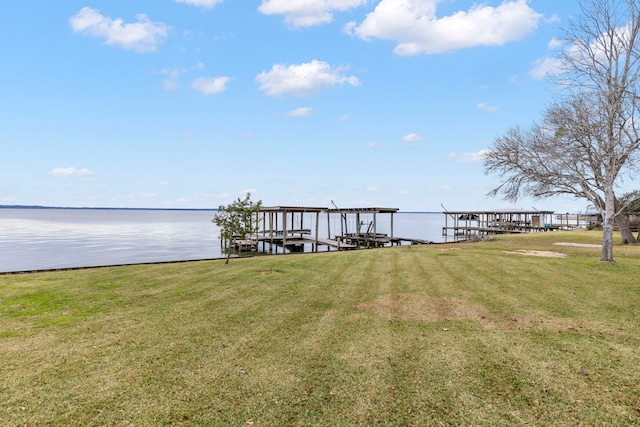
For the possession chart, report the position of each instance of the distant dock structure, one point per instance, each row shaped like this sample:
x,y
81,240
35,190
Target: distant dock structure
x,y
467,224
293,228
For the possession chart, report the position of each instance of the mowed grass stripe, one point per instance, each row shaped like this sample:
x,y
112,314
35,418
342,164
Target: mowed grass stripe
x,y
435,335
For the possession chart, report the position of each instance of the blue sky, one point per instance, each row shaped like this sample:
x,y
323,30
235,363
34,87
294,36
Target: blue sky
x,y
192,103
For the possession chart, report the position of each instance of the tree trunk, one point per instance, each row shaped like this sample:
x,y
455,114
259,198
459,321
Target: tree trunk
x,y
622,221
608,217
229,249
625,230
607,241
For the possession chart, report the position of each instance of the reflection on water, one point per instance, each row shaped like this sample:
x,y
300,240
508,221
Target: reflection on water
x,y
34,239
56,238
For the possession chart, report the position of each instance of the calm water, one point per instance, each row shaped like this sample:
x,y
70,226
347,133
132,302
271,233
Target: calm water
x,y
34,239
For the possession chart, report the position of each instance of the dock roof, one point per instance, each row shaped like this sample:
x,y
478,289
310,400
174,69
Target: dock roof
x,y
292,209
363,210
500,211
324,209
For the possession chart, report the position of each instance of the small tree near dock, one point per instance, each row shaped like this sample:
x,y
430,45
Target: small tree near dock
x,y
237,220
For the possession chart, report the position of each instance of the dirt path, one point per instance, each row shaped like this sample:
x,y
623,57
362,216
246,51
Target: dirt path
x,y
584,245
548,254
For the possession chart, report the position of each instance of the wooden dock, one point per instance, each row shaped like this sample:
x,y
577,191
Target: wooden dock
x,y
296,228
283,229
399,240
245,244
301,239
468,224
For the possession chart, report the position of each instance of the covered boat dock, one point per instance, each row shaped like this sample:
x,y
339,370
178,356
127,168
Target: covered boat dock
x,y
284,226
290,228
474,223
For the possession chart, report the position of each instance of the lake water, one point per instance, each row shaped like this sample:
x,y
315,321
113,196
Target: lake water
x,y
37,239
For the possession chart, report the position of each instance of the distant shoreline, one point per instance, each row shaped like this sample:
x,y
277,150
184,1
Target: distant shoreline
x,y
149,209
103,208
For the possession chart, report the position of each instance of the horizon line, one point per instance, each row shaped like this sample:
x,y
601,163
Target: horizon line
x,y
139,208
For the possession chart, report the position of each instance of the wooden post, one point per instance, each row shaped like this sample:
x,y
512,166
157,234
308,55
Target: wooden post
x,y
257,233
293,225
392,213
357,224
446,223
264,230
284,230
375,229
270,231
317,229
328,228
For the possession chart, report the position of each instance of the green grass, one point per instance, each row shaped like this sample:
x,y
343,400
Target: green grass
x,y
442,335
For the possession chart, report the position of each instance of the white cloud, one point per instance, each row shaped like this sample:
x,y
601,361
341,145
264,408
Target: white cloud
x,y
548,66
172,81
414,26
484,107
468,157
306,13
70,172
301,112
207,4
413,137
552,19
372,145
302,79
342,118
545,67
554,43
141,36
210,85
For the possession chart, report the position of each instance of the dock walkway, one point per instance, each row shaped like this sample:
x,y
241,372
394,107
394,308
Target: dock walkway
x,y
301,239
399,240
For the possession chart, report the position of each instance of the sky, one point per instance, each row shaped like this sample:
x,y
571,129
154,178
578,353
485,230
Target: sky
x,y
194,103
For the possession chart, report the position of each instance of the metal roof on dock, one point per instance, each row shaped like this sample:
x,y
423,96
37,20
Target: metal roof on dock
x,y
363,210
325,209
292,209
500,211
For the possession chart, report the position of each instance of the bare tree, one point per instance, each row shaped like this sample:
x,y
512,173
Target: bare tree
x,y
632,202
588,141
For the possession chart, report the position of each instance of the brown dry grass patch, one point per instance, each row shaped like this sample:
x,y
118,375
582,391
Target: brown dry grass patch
x,y
269,272
402,306
581,245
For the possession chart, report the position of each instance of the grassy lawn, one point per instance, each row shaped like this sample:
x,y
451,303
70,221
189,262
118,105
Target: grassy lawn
x,y
439,335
